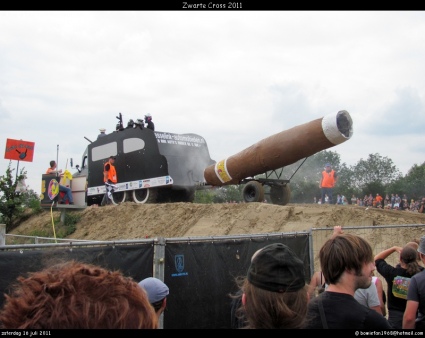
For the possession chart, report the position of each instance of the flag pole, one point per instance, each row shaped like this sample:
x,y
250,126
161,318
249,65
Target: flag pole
x,y
57,160
17,169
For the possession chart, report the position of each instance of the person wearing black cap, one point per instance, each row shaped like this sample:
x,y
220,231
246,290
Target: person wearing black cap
x,y
110,179
327,182
274,293
346,261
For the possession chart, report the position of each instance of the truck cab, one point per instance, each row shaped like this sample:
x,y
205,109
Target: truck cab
x,y
152,166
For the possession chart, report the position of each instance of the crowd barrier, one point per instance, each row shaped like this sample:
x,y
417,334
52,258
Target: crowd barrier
x,y
200,271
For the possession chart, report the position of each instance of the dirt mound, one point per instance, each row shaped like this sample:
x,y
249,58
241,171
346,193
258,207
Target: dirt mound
x,y
135,221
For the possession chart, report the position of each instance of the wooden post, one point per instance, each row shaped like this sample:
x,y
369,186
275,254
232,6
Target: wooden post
x,y
63,216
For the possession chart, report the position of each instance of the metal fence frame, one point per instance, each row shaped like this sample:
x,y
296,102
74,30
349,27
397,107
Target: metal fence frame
x,y
316,237
405,233
380,241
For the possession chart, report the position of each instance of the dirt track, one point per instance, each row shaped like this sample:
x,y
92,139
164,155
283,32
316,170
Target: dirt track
x,y
135,221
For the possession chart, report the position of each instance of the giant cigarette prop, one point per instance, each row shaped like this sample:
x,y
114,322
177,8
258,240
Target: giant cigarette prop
x,y
282,149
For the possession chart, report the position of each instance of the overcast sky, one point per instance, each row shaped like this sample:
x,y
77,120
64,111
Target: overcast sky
x,y
232,77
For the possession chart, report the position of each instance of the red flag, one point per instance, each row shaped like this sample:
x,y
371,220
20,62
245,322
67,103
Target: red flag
x,y
19,150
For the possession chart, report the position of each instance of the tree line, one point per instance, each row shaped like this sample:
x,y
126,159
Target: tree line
x,y
373,175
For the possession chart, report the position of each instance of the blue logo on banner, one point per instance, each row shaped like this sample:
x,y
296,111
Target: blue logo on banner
x,y
179,265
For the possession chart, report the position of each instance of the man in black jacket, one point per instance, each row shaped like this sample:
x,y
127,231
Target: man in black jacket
x,y
336,308
148,121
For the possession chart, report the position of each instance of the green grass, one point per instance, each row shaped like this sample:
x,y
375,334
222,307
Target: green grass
x,y
61,230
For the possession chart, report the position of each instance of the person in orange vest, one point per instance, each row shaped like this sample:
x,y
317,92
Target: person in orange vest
x,y
378,199
327,182
110,179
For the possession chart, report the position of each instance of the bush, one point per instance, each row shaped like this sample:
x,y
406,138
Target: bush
x,y
71,220
11,200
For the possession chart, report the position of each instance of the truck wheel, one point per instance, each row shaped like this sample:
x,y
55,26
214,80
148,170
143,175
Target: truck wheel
x,y
280,194
253,191
119,197
148,195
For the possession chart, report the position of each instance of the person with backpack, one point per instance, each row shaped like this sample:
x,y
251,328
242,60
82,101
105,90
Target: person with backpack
x,y
397,279
414,315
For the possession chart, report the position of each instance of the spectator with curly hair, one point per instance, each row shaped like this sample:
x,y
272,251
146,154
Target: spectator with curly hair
x,y
75,295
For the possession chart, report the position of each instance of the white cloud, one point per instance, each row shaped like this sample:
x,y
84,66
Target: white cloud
x,y
232,77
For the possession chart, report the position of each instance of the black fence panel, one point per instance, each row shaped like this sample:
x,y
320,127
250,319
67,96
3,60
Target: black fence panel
x,y
133,260
201,275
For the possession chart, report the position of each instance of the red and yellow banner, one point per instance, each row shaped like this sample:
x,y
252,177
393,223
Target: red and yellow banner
x,y
19,150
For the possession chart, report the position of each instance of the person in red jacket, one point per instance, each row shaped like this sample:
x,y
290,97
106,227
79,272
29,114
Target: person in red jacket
x,y
327,182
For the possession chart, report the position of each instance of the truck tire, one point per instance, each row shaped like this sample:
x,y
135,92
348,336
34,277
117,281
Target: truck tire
x,y
253,191
280,194
119,197
148,195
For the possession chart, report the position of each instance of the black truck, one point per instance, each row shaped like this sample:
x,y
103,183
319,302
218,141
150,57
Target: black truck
x,y
152,166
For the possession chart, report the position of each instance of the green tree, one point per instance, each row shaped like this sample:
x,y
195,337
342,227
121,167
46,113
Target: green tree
x,y
344,185
304,192
415,181
204,196
374,173
31,200
413,184
233,193
228,193
11,202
